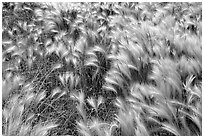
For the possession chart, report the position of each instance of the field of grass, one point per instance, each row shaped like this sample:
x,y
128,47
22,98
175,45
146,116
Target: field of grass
x,y
102,69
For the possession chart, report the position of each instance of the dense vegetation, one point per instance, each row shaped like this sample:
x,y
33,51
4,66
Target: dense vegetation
x,y
102,68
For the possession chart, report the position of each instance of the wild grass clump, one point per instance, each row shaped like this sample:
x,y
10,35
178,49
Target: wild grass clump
x,y
102,69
